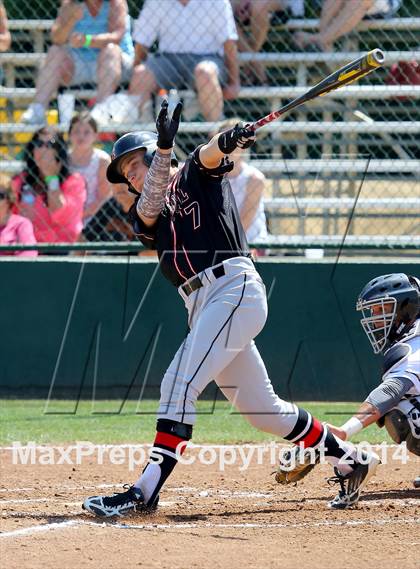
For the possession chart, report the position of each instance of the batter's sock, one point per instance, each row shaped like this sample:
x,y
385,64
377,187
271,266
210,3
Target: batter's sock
x,y
163,457
308,432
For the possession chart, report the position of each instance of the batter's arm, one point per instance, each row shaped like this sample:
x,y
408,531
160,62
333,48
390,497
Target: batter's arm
x,y
156,184
212,153
153,196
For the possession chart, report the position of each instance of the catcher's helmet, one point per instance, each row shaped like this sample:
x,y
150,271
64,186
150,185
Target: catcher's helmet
x,y
143,140
398,296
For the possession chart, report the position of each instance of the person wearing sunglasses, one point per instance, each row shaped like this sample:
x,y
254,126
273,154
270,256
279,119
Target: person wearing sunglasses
x,y
47,192
14,229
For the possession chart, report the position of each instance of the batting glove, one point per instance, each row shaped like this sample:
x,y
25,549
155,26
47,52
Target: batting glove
x,y
167,127
240,136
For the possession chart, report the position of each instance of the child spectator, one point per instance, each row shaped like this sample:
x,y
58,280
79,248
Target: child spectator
x,y
247,183
340,17
91,44
90,162
14,229
47,193
197,48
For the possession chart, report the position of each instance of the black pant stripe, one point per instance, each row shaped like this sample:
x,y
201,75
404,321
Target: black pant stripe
x,y
211,346
301,423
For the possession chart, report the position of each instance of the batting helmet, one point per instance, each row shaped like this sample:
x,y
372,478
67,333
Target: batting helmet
x,y
143,140
398,295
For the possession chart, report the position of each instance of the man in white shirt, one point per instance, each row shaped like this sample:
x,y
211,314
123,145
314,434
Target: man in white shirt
x,y
197,49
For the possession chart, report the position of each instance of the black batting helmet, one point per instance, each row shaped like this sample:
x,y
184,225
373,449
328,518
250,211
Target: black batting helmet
x,y
398,295
143,140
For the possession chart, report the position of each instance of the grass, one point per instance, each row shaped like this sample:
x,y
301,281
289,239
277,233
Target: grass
x,y
26,420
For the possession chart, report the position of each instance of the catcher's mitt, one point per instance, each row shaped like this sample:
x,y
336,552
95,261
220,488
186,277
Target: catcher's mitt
x,y
295,464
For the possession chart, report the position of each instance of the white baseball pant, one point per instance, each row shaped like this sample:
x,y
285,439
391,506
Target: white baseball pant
x,y
225,315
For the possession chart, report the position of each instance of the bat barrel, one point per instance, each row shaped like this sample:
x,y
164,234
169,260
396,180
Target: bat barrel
x,y
375,58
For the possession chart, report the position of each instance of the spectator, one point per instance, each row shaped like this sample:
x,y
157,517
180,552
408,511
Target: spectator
x,y
90,40
89,161
197,48
256,16
339,17
247,183
48,194
109,223
5,37
14,229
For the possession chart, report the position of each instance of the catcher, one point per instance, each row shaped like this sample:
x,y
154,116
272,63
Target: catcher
x,y
390,306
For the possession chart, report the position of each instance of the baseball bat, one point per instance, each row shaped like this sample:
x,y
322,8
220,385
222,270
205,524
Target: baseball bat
x,y
343,76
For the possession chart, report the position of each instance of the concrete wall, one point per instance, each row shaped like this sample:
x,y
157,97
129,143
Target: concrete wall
x,y
73,325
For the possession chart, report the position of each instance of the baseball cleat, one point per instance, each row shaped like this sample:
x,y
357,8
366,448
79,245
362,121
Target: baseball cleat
x,y
295,464
416,482
353,483
119,504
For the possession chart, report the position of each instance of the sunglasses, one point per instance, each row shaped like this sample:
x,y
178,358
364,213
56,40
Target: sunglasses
x,y
2,196
44,143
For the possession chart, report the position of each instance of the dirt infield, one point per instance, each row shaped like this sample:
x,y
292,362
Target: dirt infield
x,y
207,519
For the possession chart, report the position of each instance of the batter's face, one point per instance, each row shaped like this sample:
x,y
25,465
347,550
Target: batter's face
x,y
134,169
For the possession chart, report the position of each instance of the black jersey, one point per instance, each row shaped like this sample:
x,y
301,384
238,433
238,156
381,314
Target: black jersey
x,y
199,226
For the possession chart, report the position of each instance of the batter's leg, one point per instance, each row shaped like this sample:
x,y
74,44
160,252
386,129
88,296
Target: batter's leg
x,y
221,329
246,384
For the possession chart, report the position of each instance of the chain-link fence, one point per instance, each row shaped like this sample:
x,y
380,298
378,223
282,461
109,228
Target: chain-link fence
x,y
341,170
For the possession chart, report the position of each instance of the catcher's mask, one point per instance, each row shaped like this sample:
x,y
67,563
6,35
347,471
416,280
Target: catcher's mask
x,y
143,140
389,305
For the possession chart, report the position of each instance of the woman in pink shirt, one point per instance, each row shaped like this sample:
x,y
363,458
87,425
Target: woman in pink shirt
x,y
48,194
14,229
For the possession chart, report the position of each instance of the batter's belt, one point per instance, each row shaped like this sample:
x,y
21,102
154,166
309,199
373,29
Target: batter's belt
x,y
195,282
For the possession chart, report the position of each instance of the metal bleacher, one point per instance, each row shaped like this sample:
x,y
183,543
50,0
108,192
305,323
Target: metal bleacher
x,y
316,157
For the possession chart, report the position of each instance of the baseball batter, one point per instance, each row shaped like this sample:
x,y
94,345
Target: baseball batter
x,y
189,215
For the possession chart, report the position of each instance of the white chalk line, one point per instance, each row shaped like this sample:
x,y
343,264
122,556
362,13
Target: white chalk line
x,y
215,493
40,528
97,487
162,503
270,525
204,525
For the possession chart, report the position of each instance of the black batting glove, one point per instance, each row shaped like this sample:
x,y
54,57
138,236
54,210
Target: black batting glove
x,y
167,127
240,136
